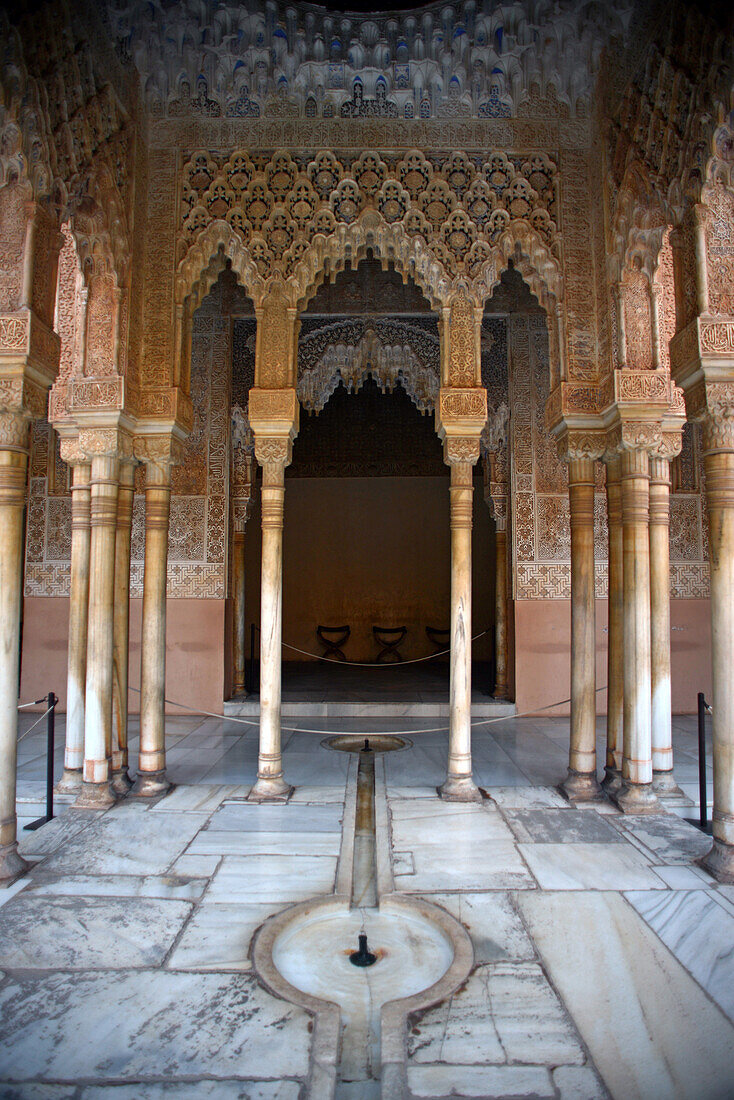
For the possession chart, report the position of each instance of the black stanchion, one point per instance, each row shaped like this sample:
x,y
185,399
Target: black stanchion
x,y
703,822
52,700
251,670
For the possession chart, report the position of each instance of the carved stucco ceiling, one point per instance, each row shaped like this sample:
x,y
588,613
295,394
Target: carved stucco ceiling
x,y
248,60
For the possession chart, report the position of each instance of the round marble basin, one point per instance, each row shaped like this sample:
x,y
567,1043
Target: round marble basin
x,y
312,953
379,742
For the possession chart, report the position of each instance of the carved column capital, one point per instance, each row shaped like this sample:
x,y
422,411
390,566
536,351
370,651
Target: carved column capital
x,y
159,452
634,435
712,403
461,450
581,444
273,451
104,442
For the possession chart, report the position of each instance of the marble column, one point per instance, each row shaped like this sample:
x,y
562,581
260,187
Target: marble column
x,y
14,432
121,782
96,792
615,667
663,780
76,677
581,784
636,794
239,639
459,786
718,446
501,686
273,455
152,780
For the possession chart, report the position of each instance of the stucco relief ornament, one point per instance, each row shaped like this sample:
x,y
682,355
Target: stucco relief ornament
x,y
589,445
242,437
494,435
459,450
273,451
718,421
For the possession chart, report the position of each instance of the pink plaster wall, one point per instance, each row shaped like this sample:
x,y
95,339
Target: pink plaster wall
x,y
195,631
542,630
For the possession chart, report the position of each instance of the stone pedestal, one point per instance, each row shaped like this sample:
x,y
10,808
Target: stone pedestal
x,y
13,469
273,455
459,785
615,671
636,794
121,782
581,784
76,678
663,779
95,792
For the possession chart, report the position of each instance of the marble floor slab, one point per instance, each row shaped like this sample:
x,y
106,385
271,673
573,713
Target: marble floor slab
x,y
227,842
650,1028
251,817
492,921
218,936
527,798
496,866
125,841
198,1090
560,826
58,933
590,867
169,887
274,878
485,1082
199,798
183,1024
667,837
699,932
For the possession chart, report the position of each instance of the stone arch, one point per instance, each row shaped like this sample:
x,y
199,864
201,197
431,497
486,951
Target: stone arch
x,y
641,217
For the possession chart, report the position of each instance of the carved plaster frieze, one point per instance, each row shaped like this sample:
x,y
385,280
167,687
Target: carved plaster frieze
x,y
15,430
21,394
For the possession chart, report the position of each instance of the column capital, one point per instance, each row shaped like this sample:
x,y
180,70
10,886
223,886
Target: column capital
x,y
461,411
104,442
575,444
273,412
461,450
634,435
273,450
159,452
712,403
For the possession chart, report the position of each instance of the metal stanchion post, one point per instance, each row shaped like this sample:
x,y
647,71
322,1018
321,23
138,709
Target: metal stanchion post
x,y
703,814
52,700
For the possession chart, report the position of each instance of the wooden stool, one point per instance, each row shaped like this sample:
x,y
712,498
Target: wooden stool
x,y
332,646
439,638
389,637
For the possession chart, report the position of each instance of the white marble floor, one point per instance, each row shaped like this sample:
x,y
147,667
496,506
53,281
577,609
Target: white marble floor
x,y
603,962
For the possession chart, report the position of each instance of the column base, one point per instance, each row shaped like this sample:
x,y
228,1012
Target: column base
x,y
460,789
719,861
500,691
70,782
268,789
151,784
580,787
637,798
121,781
12,864
666,788
95,796
612,781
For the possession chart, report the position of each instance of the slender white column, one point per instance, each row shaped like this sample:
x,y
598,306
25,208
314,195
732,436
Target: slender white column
x,y
663,779
459,785
238,625
581,784
719,460
76,678
273,455
152,779
121,782
96,792
13,470
615,666
501,686
636,794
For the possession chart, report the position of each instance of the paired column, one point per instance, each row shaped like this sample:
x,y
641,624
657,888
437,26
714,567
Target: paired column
x,y
636,794
121,782
238,600
159,455
581,784
615,652
663,779
14,439
273,454
718,443
103,448
76,677
460,454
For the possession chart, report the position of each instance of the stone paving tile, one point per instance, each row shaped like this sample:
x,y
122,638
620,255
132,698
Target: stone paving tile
x,y
251,817
579,1083
526,798
178,1025
561,826
667,837
495,927
274,878
57,933
55,833
30,1091
218,937
590,867
506,1012
169,887
199,1090
485,1082
126,841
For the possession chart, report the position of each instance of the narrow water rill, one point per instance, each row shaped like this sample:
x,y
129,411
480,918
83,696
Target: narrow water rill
x,y
410,954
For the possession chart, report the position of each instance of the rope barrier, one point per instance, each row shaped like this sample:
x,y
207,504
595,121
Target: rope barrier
x,y
35,703
24,735
374,664
383,733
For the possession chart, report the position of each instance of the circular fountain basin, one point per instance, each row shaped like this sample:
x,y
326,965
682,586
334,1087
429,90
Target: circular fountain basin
x,y
312,953
379,742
